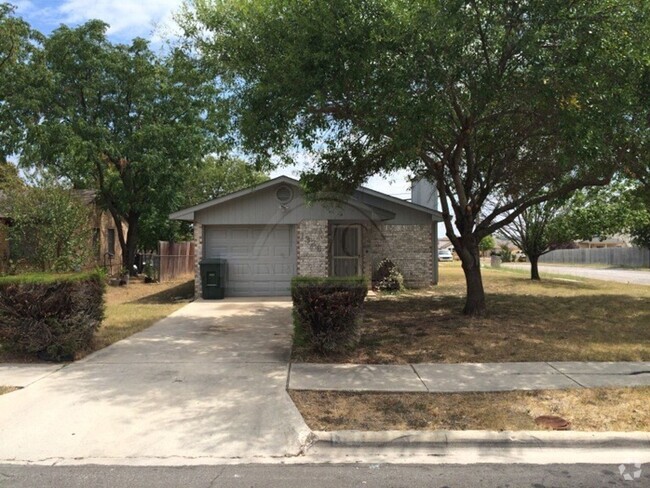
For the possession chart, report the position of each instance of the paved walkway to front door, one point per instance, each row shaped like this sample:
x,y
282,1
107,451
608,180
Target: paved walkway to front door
x,y
203,386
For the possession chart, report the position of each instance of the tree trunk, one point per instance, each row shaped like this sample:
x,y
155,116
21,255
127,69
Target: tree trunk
x,y
534,269
471,259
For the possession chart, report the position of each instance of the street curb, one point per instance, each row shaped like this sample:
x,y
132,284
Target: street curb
x,y
481,438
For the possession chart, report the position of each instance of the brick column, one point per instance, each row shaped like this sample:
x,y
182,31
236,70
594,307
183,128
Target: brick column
x,y
312,253
198,255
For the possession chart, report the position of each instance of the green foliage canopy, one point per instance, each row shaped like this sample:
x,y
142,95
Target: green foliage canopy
x,y
215,176
503,104
487,244
121,120
19,44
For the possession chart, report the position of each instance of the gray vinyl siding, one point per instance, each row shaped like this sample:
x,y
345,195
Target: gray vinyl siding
x,y
262,207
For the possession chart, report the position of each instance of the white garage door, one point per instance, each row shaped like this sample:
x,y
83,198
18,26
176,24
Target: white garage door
x,y
261,258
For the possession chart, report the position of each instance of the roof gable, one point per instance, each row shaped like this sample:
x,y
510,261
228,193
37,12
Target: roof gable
x,y
188,214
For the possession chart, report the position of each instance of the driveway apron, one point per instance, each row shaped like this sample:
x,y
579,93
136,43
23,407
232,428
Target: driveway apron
x,y
204,385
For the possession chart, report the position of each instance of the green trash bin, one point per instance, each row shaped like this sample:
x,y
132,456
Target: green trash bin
x,y
213,278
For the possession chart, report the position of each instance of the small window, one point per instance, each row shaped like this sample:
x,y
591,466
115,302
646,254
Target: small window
x,y
111,241
284,194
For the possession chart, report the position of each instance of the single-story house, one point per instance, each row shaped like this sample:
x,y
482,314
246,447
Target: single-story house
x,y
618,240
272,232
105,242
445,243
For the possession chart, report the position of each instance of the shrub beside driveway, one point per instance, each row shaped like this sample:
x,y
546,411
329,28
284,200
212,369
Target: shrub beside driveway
x,y
552,320
129,310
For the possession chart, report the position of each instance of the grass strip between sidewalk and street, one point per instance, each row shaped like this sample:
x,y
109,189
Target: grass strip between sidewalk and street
x,y
554,319
598,409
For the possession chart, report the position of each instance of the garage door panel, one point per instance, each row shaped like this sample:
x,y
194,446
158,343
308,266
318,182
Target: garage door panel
x,y
260,259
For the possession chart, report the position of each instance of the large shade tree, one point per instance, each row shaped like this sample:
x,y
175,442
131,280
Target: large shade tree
x,y
119,119
637,158
503,104
18,45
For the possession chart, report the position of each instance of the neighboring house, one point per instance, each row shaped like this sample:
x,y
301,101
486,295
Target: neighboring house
x,y
445,243
270,233
597,243
108,252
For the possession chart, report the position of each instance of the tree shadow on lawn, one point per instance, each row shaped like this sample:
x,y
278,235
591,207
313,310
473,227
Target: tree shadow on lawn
x,y
183,291
518,327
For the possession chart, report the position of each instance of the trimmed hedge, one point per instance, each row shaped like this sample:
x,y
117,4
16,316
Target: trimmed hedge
x,y
328,311
50,316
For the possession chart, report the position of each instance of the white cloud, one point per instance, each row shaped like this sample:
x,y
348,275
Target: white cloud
x,y
127,18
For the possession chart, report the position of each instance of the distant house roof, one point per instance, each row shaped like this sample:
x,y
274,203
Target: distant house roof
x,y
86,196
444,243
188,213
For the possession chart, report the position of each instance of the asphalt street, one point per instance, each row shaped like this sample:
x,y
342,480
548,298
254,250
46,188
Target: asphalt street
x,y
305,476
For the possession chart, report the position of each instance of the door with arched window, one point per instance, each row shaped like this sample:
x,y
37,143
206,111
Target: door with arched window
x,y
346,250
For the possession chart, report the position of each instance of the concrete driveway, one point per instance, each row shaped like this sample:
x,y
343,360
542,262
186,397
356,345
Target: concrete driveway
x,y
203,386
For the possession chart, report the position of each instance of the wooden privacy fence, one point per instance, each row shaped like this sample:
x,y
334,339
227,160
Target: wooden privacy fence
x,y
174,260
613,256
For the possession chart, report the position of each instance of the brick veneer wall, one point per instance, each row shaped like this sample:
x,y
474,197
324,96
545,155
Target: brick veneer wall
x,y
312,249
198,255
410,247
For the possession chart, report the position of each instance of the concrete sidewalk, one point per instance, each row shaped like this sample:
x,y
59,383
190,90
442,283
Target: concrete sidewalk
x,y
22,375
467,377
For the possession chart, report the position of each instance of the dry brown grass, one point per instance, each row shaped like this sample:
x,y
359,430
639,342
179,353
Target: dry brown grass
x,y
7,389
600,409
556,319
135,307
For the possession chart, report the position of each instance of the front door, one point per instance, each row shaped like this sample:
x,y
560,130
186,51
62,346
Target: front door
x,y
346,250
